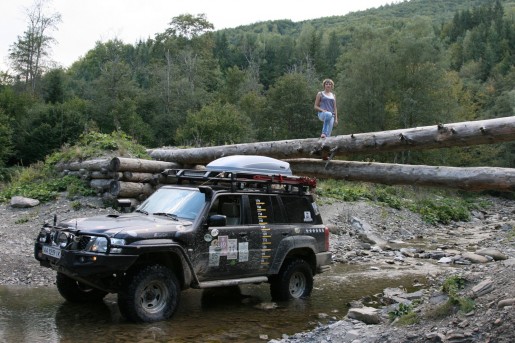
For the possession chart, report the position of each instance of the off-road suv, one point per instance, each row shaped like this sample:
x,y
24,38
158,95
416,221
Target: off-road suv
x,y
245,219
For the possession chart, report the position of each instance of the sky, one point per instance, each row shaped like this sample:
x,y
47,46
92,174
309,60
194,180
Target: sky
x,y
85,22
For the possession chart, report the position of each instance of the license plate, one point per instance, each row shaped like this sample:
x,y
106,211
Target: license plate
x,y
54,252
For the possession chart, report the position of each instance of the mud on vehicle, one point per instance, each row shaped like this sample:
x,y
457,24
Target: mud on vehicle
x,y
245,219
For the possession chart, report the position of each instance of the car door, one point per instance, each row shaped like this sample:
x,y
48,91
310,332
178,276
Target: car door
x,y
233,250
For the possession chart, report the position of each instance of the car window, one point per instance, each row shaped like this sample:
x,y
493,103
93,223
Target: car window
x,y
229,206
265,208
298,209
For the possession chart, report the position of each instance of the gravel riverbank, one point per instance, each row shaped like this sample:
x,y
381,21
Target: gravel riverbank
x,y
385,240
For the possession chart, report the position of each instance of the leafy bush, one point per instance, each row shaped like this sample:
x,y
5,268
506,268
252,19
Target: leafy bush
x,y
94,144
452,285
404,315
401,310
40,181
342,191
434,206
388,196
443,210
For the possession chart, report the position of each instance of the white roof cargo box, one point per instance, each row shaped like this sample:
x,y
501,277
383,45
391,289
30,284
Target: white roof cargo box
x,y
250,164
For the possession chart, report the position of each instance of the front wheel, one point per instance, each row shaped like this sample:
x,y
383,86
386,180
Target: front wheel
x,y
77,292
294,281
151,294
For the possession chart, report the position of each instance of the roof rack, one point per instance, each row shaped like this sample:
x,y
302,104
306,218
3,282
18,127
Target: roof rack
x,y
242,180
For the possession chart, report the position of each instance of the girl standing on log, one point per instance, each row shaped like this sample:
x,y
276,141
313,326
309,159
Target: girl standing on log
x,y
325,104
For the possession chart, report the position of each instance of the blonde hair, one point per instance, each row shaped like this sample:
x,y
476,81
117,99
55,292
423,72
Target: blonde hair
x,y
328,80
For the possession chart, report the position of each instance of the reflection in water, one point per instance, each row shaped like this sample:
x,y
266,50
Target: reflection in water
x,y
232,314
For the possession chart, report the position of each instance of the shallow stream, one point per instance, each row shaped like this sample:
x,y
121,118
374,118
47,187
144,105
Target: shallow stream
x,y
241,314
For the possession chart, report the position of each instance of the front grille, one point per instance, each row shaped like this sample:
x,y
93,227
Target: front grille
x,y
83,242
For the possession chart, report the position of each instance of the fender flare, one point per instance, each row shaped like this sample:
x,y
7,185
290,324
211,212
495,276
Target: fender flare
x,y
290,244
168,246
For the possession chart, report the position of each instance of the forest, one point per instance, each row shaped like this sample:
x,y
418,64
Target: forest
x,y
409,64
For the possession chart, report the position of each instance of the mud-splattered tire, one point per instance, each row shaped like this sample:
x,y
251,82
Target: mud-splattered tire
x,y
150,295
294,281
77,292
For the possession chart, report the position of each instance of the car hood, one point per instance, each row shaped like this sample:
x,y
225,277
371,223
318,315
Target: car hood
x,y
131,224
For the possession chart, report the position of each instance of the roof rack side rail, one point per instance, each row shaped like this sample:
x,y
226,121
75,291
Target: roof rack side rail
x,y
235,178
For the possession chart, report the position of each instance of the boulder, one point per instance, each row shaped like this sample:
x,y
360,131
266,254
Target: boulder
x,y
366,233
367,315
22,202
474,258
494,253
482,288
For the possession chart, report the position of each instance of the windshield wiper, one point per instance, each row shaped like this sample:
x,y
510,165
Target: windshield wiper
x,y
141,211
169,215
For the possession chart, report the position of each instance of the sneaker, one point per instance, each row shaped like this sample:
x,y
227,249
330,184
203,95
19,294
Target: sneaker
x,y
322,136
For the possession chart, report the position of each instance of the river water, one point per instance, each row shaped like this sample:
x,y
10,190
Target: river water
x,y
244,314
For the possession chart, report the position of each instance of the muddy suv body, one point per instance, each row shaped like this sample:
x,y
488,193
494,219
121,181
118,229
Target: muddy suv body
x,y
244,220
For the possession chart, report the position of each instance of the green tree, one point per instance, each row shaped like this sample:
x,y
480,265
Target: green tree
x,y
215,124
27,55
363,86
189,26
46,127
290,112
6,132
53,87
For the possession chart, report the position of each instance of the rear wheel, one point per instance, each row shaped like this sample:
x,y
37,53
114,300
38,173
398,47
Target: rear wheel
x,y
77,292
294,281
151,294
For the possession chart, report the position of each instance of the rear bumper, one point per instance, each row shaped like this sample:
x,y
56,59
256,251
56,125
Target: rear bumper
x,y
324,260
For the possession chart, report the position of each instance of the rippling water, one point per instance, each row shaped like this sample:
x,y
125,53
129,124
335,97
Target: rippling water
x,y
29,315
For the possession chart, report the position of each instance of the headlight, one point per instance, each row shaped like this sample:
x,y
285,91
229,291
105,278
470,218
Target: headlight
x,y
99,244
63,239
43,236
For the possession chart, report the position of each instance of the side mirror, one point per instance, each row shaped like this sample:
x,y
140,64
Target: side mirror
x,y
217,220
125,204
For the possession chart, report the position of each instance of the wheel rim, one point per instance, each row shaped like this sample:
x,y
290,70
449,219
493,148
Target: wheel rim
x,y
297,285
154,297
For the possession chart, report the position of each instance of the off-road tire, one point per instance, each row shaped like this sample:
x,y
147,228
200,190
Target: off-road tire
x,y
294,281
151,294
77,292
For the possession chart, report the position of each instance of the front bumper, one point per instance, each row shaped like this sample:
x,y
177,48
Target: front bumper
x,y
84,264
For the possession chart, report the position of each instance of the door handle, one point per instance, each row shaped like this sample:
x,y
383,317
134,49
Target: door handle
x,y
243,234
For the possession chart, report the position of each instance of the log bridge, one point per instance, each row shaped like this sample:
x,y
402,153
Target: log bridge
x,y
136,179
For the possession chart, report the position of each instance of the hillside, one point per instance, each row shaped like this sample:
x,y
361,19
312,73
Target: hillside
x,y
409,64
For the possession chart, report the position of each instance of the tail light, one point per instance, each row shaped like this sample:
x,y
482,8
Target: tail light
x,y
326,236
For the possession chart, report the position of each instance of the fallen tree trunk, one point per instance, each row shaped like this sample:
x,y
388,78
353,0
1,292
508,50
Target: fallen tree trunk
x,y
136,177
101,175
428,137
135,190
97,165
471,179
137,165
100,185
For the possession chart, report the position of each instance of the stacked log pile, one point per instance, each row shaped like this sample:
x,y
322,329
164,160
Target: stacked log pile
x,y
120,177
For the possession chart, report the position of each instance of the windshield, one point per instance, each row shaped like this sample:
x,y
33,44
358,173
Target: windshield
x,y
180,203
